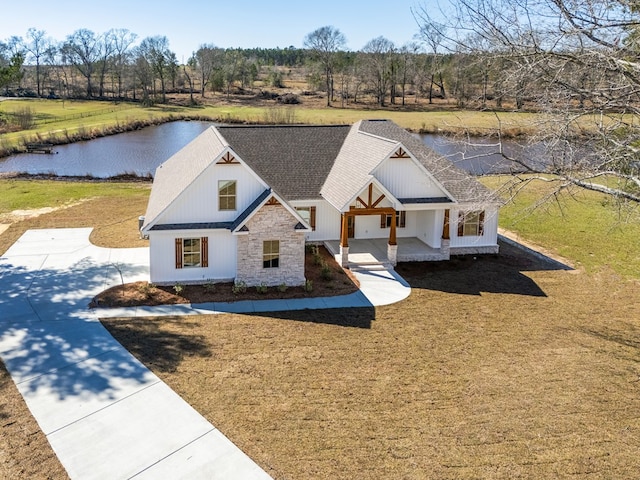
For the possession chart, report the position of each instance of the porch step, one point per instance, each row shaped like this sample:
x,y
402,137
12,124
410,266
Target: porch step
x,y
370,266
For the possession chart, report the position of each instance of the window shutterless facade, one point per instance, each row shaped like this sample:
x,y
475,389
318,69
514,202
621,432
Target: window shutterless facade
x,y
226,194
309,215
271,254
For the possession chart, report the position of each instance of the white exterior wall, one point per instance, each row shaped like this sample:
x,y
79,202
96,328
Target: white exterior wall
x,y
327,220
368,226
404,179
199,202
430,227
490,236
222,257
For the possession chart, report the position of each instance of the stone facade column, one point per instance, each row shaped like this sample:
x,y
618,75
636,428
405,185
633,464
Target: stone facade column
x,y
445,249
344,256
392,254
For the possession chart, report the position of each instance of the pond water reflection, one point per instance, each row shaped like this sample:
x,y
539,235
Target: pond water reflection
x,y
141,151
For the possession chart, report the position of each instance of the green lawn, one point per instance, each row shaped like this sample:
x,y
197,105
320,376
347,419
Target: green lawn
x,y
589,228
19,194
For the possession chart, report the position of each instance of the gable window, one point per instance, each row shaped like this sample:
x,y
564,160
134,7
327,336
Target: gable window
x,y
192,252
401,220
471,224
271,254
226,194
308,214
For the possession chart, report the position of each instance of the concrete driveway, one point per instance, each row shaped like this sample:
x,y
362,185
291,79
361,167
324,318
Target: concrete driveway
x,y
105,414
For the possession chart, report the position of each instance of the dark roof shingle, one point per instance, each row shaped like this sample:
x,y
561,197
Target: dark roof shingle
x,y
293,159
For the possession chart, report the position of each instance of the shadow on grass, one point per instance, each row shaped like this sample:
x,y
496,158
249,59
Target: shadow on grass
x,y
150,342
472,275
356,317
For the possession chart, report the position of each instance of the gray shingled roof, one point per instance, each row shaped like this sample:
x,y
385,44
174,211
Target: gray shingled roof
x,y
305,162
294,160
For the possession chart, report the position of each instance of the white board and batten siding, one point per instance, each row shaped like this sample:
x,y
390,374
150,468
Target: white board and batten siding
x,y
222,257
199,202
328,220
490,230
404,179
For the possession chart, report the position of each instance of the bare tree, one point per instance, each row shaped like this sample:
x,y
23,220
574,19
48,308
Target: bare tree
x,y
82,50
37,46
122,39
379,58
324,43
156,52
575,61
206,59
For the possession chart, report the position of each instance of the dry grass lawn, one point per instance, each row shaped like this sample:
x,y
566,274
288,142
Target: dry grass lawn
x,y
493,368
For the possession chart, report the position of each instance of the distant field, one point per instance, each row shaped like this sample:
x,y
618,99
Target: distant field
x,y
59,120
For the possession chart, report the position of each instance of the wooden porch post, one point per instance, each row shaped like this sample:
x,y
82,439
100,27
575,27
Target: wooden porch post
x,y
445,229
344,234
392,232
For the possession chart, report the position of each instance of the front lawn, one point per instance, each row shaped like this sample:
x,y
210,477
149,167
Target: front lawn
x,y
493,368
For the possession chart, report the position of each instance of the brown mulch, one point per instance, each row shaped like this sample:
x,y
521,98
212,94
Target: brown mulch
x,y
339,282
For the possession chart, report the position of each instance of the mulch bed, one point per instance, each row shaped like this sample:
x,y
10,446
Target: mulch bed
x,y
337,282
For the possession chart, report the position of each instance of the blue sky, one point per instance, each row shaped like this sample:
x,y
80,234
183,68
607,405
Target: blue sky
x,y
249,23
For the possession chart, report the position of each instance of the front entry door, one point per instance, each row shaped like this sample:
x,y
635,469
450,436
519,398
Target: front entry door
x,y
351,226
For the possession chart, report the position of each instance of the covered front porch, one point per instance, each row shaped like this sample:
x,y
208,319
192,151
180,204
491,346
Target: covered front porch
x,y
374,251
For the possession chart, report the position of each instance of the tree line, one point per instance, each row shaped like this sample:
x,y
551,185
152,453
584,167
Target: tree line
x,y
115,65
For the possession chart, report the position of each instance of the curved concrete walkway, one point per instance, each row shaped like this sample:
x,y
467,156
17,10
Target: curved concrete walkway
x,y
104,413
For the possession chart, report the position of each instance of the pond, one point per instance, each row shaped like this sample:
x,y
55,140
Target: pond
x,y
141,151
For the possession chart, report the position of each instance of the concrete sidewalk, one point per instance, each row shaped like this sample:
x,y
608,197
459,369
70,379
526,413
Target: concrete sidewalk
x,y
104,413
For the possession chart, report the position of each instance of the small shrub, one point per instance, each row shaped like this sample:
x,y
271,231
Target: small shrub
x,y
325,272
146,289
282,287
308,285
239,287
209,286
178,288
262,288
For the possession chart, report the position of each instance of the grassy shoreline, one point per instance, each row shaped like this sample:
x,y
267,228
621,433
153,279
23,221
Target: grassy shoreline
x,y
62,122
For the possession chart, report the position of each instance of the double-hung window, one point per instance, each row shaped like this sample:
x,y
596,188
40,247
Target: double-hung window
x,y
226,194
471,224
192,252
271,254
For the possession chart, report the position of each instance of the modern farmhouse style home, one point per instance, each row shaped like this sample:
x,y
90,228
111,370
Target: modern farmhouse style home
x,y
240,202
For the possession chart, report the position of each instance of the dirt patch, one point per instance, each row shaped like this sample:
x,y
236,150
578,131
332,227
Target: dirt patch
x,y
6,219
24,449
326,276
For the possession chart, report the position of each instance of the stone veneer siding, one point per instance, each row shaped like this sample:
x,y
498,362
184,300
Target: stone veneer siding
x,y
271,222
